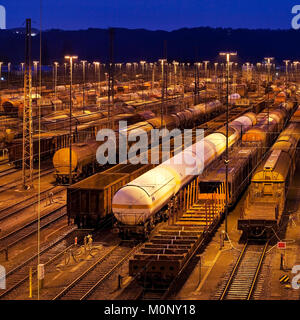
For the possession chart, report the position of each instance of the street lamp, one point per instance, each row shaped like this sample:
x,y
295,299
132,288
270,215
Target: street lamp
x,y
143,73
8,74
143,77
83,85
55,83
143,66
22,72
227,55
153,75
295,63
135,64
128,69
286,70
97,70
162,62
95,74
70,58
163,85
216,66
175,64
35,64
205,69
22,66
99,75
196,82
268,61
258,65
65,74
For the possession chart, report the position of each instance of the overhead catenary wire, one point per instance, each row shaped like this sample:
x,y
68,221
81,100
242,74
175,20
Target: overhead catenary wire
x,y
39,161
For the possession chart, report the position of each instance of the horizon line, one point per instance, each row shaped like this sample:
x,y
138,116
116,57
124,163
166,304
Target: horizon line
x,y
153,30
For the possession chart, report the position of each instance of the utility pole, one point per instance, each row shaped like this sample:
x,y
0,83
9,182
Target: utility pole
x,y
27,166
153,76
71,59
227,54
175,64
111,80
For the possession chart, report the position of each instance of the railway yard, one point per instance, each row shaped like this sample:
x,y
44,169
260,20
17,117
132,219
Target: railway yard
x,y
217,218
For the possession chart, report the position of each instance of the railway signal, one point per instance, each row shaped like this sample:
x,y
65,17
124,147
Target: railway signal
x,y
281,245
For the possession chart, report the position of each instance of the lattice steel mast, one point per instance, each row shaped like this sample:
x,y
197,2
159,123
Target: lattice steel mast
x,y
27,168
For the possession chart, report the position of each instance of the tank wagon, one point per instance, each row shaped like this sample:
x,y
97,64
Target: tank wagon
x,y
84,160
265,202
137,204
184,119
51,141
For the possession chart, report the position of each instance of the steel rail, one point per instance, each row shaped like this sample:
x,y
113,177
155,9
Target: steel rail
x,y
233,272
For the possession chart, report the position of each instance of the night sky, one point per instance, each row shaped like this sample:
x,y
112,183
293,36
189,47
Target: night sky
x,y
151,14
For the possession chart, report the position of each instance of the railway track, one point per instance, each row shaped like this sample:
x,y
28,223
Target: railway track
x,y
49,254
242,280
30,228
90,280
15,208
7,172
16,183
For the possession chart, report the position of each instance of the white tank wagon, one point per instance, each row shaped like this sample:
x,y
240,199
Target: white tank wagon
x,y
137,206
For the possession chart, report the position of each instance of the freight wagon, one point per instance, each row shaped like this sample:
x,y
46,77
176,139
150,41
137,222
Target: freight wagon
x,y
89,202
